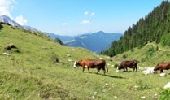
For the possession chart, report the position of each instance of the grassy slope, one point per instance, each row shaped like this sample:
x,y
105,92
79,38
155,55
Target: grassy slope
x,y
32,75
149,55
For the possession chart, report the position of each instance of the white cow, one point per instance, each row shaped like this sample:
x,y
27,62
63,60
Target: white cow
x,y
148,70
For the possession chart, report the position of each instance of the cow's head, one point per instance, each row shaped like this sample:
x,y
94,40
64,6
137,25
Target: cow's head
x,y
119,67
76,64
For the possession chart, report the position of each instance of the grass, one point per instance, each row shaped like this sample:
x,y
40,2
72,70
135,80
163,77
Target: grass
x,y
149,55
33,74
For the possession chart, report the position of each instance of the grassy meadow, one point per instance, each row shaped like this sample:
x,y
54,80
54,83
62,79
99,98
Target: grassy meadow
x,y
33,74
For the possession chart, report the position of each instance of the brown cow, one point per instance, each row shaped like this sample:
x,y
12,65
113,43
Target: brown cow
x,y
162,66
125,64
92,63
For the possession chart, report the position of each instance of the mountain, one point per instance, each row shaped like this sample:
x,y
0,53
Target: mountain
x,y
65,39
154,27
7,20
93,41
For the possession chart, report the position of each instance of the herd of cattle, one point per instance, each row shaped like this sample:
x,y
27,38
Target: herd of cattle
x,y
100,64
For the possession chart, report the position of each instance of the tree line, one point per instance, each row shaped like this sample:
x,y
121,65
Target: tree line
x,y
154,27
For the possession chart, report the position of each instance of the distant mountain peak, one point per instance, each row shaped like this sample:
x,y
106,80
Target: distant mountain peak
x,y
7,20
100,32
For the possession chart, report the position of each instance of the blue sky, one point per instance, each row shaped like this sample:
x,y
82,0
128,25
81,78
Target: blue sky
x,y
72,17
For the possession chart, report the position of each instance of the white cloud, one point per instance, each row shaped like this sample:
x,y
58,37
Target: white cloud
x,y
89,13
85,21
6,7
21,20
92,14
86,13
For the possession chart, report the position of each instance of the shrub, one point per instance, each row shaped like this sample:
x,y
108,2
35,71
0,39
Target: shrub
x,y
58,41
150,52
165,40
125,56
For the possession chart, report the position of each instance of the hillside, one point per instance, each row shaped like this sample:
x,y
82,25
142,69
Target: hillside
x,y
96,42
148,56
33,73
154,27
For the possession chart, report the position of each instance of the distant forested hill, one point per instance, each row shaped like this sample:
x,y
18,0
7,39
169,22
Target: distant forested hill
x,y
154,27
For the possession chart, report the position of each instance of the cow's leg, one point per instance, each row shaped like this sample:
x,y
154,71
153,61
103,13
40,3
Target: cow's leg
x,y
83,69
126,69
161,70
104,70
98,69
88,69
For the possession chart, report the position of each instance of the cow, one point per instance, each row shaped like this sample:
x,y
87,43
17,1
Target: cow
x,y
99,64
162,66
125,64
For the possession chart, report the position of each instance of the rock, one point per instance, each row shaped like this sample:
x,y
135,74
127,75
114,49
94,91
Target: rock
x,y
143,97
162,74
117,71
70,60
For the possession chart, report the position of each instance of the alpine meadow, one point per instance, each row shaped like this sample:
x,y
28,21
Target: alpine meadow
x,y
36,64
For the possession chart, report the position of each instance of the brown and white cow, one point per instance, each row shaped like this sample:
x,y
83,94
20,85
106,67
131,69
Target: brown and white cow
x,y
125,64
100,64
162,66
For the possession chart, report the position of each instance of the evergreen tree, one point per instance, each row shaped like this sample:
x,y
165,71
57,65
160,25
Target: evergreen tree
x,y
151,28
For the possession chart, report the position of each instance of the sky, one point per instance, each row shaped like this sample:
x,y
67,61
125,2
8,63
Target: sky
x,y
73,17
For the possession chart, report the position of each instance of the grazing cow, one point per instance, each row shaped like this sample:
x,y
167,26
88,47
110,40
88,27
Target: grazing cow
x,y
125,64
162,66
92,63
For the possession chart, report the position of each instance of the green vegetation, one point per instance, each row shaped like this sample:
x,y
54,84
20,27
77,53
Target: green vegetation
x,y
35,73
149,55
165,95
58,41
154,27
165,40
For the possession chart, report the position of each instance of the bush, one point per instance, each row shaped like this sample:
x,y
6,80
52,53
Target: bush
x,y
165,40
58,41
125,56
165,95
150,52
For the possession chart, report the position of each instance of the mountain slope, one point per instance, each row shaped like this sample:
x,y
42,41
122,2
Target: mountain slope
x,y
34,74
65,39
151,28
7,20
148,55
96,42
